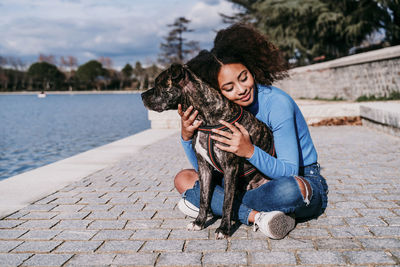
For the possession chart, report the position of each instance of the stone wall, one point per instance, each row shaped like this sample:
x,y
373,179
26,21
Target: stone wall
x,y
372,73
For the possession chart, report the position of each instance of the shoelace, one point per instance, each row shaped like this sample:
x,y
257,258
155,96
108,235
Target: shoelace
x,y
255,224
255,227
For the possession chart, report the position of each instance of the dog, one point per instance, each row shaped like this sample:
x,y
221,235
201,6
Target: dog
x,y
179,85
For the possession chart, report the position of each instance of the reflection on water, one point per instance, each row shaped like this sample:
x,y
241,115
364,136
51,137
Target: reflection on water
x,y
38,131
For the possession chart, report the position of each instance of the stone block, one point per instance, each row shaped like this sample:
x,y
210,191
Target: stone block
x,y
40,234
38,224
72,224
113,234
13,259
37,246
368,257
206,245
289,243
125,246
337,244
179,259
151,234
163,246
366,221
79,246
136,259
225,258
381,243
48,260
350,231
69,208
385,231
105,215
8,245
321,257
32,215
80,215
76,235
135,215
8,224
108,224
91,260
143,224
185,234
266,258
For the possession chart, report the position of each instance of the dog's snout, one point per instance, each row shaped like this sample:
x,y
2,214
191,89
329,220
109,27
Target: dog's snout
x,y
146,97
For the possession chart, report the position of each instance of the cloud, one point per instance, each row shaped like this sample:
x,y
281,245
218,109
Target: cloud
x,y
126,31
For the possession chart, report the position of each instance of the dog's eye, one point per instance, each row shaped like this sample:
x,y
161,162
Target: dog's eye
x,y
176,71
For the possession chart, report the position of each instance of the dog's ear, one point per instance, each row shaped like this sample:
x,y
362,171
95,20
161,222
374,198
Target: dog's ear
x,y
176,71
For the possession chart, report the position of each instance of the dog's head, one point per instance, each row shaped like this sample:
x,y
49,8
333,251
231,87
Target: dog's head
x,y
168,89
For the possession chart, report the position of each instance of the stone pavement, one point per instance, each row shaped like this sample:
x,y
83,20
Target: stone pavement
x,y
126,215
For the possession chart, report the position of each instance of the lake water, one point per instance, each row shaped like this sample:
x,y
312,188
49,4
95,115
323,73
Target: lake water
x,y
38,131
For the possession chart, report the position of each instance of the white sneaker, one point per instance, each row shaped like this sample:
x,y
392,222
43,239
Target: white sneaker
x,y
274,224
188,208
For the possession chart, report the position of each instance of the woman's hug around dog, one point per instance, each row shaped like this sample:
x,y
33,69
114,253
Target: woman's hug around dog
x,y
236,124
178,85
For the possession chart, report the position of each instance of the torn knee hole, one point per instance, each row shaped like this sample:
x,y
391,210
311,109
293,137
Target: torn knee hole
x,y
305,189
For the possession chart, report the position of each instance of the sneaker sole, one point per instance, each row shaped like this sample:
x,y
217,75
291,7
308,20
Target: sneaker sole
x,y
188,208
280,225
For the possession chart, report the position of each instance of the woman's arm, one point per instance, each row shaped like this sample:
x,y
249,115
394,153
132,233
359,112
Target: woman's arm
x,y
190,154
280,116
286,147
188,126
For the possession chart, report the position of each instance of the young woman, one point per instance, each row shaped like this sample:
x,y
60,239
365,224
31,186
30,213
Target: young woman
x,y
242,65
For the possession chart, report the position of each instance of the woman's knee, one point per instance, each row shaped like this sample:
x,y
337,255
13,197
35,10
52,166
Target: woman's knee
x,y
185,180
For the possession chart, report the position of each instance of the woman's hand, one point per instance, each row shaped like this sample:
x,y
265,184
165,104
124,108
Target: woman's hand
x,y
238,142
188,122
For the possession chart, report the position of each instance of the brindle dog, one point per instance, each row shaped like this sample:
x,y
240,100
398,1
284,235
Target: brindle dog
x,y
179,85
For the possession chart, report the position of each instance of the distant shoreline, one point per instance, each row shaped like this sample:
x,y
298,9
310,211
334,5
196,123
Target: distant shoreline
x,y
73,92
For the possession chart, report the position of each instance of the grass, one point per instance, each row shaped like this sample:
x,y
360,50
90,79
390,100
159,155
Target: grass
x,y
391,96
335,98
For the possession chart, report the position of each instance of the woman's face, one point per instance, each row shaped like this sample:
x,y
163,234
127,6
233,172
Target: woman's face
x,y
236,83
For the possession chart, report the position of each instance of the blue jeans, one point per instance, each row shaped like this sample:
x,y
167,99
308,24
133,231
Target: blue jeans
x,y
281,194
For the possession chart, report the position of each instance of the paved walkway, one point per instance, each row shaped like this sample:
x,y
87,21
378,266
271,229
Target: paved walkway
x,y
126,215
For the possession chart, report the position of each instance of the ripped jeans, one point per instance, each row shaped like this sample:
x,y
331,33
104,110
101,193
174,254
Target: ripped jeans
x,y
281,194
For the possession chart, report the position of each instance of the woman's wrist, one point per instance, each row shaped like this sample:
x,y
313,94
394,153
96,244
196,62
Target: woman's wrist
x,y
250,153
185,137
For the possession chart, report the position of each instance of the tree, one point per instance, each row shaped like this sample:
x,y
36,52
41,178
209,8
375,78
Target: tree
x,y
140,74
51,59
106,62
127,71
45,76
305,29
91,74
392,21
125,75
176,49
70,62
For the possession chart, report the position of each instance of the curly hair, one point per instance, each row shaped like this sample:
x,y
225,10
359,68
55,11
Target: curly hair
x,y
240,43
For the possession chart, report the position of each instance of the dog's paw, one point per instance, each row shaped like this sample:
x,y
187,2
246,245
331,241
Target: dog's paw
x,y
193,227
220,235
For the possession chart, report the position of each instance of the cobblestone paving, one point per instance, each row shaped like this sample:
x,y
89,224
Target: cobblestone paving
x,y
126,215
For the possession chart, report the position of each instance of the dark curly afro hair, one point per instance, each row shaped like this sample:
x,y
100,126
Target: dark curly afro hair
x,y
240,43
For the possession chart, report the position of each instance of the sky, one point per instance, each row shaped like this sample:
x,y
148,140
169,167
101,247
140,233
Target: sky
x,y
124,30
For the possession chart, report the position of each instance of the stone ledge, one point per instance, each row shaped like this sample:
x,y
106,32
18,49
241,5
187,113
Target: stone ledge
x,y
377,55
18,191
313,111
382,116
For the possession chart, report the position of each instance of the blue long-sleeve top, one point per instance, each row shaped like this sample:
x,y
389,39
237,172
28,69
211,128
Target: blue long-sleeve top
x,y
292,139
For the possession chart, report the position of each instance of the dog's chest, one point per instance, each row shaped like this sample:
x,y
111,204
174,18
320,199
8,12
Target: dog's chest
x,y
201,146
